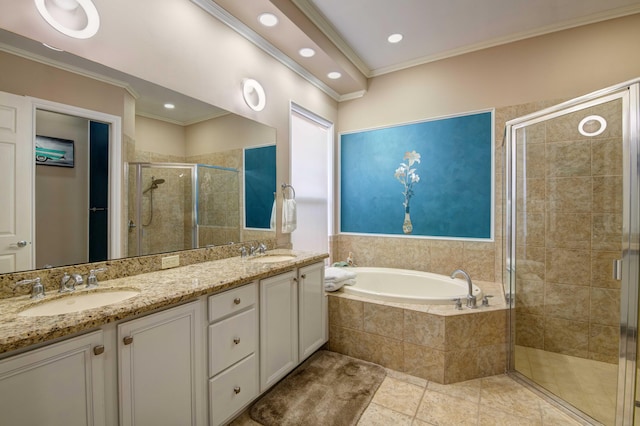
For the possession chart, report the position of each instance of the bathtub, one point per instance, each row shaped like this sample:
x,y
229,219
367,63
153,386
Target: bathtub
x,y
406,286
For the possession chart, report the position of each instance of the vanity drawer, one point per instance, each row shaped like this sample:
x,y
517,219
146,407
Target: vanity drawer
x,y
229,302
232,390
232,339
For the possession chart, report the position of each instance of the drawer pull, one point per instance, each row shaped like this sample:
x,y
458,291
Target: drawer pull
x,y
97,350
236,390
128,340
303,276
236,300
236,340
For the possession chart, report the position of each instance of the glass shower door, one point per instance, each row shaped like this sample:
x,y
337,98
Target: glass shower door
x,y
567,222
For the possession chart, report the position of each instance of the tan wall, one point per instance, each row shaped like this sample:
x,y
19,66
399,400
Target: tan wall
x,y
159,137
516,79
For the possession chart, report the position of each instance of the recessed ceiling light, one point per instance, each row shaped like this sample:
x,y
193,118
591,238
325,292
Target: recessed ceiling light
x,y
268,19
334,75
395,38
169,105
307,52
83,23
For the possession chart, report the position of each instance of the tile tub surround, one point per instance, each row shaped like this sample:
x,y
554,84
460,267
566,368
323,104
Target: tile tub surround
x,y
434,342
158,289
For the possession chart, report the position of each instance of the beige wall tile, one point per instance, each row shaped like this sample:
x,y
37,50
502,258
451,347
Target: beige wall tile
x,y
565,159
530,330
604,343
568,230
424,362
605,306
566,337
571,195
567,302
566,266
351,313
607,231
384,351
384,320
602,269
606,157
530,296
424,329
607,194
466,364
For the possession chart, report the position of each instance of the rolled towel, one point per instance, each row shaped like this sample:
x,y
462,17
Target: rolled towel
x,y
333,285
335,274
272,221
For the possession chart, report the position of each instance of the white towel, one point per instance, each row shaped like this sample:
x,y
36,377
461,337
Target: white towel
x,y
289,219
333,286
335,274
272,222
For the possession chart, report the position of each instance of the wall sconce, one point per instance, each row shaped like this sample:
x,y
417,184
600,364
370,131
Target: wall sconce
x,y
253,94
75,18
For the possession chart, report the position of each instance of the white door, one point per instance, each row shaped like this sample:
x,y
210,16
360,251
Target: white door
x,y
311,171
16,171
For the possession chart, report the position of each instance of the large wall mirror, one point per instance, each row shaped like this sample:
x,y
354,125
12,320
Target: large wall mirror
x,y
183,169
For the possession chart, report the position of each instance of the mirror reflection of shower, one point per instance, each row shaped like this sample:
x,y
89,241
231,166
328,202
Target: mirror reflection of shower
x,y
154,185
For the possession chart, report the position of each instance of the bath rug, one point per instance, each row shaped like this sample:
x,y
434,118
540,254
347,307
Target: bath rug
x,y
328,389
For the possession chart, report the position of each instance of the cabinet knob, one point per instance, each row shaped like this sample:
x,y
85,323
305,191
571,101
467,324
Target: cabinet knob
x,y
236,340
128,340
97,350
303,276
236,390
237,300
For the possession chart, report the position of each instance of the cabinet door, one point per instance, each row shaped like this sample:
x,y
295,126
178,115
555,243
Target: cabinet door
x,y
58,385
160,368
312,307
278,328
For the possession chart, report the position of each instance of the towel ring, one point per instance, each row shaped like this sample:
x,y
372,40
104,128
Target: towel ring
x,y
284,189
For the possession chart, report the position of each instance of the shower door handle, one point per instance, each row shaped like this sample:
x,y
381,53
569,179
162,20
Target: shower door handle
x,y
617,269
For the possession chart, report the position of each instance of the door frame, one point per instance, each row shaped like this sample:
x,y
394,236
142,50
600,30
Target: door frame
x,y
115,166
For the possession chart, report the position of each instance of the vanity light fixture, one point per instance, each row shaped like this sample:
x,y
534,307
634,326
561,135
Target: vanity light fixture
x,y
253,94
395,38
584,121
169,105
306,52
268,19
75,18
334,75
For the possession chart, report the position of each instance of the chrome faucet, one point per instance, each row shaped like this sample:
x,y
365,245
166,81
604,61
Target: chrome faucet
x,y
37,289
92,280
471,299
68,282
262,248
243,252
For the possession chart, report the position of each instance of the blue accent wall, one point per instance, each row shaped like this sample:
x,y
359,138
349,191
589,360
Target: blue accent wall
x,y
453,196
259,185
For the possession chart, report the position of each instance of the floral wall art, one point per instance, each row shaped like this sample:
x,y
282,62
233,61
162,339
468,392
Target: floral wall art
x,y
445,170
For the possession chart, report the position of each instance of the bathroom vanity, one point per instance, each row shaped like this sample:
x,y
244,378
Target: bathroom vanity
x,y
194,346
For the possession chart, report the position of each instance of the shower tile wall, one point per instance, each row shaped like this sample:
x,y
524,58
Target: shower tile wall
x,y
569,233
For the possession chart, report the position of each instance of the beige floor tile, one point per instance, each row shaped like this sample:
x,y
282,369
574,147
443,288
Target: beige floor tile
x,y
244,420
551,416
469,390
496,417
377,415
441,409
505,394
418,381
399,396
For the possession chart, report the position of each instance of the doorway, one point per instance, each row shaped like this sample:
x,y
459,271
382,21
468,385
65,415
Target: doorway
x,y
311,153
572,259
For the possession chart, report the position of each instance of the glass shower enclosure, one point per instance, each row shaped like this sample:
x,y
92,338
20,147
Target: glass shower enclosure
x,y
572,239
179,206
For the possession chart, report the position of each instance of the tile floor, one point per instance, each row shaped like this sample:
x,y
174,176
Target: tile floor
x,y
497,400
586,384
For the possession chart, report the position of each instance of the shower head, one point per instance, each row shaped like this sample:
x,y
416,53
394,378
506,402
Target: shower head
x,y
154,184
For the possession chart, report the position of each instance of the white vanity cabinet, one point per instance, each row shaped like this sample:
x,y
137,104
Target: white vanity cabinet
x,y
160,368
233,352
312,309
61,384
278,327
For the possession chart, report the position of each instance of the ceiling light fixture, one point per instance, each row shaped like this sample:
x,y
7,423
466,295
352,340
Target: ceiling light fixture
x,y
268,19
395,38
169,105
307,52
589,122
52,47
64,16
253,94
334,75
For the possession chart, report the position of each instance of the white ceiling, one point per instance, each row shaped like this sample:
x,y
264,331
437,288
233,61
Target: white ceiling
x,y
434,29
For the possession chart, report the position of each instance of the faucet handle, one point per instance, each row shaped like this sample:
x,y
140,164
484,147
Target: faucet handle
x,y
37,290
243,252
458,303
262,248
485,299
64,284
92,280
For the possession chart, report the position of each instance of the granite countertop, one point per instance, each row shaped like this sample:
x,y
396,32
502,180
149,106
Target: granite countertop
x,y
156,290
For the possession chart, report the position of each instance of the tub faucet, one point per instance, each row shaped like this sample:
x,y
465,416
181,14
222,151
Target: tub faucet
x,y
471,299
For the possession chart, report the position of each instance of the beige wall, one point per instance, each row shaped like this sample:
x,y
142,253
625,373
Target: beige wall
x,y
516,79
159,136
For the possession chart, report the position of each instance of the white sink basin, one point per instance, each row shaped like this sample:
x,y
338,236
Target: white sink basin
x,y
77,303
273,258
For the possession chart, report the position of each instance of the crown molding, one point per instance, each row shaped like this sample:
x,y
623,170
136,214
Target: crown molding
x,y
235,24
